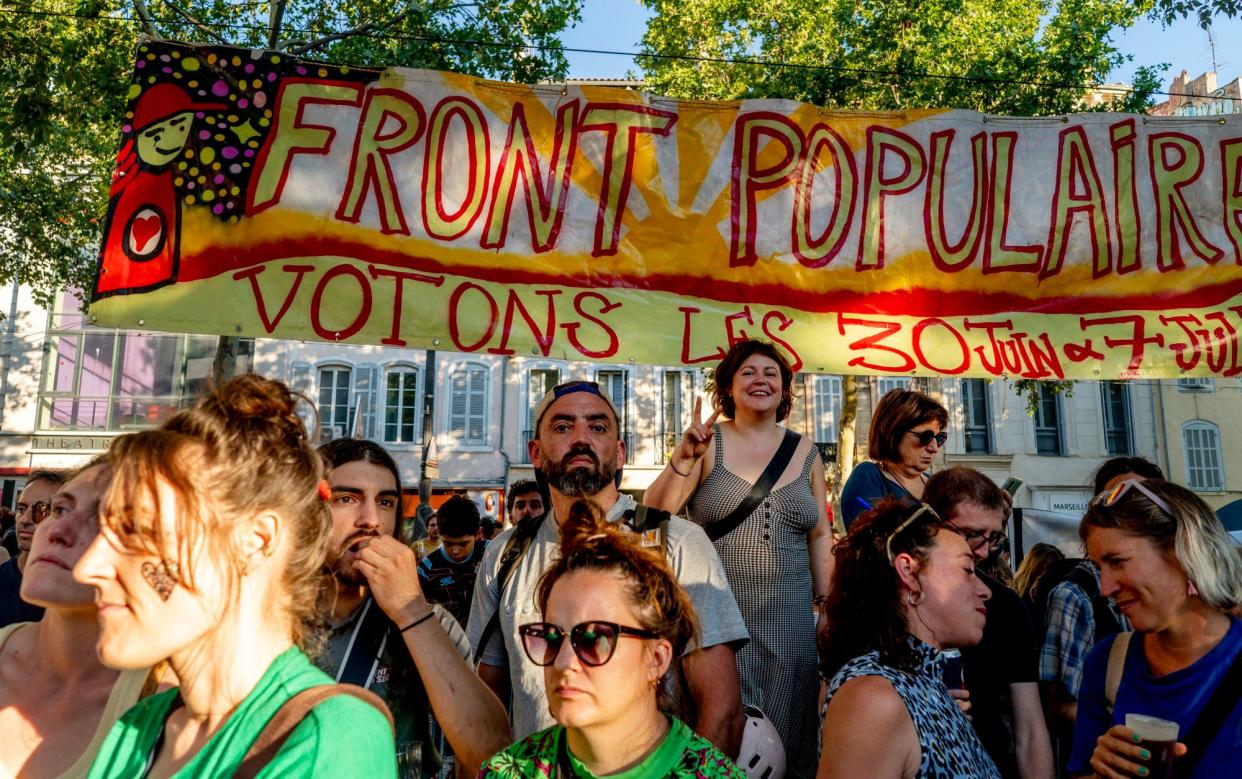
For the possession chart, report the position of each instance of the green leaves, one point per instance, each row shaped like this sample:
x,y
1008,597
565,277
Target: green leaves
x,y
65,66
1021,57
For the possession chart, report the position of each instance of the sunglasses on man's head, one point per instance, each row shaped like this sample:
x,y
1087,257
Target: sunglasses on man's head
x,y
1110,496
593,642
927,436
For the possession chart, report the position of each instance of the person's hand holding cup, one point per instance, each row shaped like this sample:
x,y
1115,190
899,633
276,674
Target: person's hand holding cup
x,y
1144,747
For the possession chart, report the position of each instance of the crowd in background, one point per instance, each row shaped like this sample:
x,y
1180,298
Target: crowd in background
x,y
218,597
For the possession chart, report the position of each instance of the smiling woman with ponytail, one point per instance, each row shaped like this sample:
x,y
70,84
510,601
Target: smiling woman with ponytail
x,y
615,624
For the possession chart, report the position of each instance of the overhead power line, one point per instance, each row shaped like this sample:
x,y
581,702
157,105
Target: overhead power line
x,y
854,71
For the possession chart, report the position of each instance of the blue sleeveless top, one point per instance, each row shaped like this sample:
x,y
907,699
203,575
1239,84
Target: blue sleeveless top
x,y
950,748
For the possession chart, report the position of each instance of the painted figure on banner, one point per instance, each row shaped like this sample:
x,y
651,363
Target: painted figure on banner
x,y
144,253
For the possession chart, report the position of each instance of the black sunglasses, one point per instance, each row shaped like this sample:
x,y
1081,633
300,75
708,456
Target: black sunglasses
x,y
593,642
926,437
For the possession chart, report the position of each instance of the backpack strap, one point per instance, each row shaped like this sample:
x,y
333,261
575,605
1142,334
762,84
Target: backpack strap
x,y
776,466
1211,719
515,548
289,716
1116,667
651,525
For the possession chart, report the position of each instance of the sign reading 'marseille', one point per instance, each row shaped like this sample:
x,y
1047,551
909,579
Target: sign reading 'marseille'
x,y
261,194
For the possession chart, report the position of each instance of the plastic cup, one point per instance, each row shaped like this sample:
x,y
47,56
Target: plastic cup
x,y
1159,736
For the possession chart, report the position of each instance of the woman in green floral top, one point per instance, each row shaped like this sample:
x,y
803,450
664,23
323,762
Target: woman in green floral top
x,y
611,696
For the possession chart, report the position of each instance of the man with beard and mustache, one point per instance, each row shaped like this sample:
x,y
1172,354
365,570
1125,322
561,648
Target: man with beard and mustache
x,y
578,451
33,505
384,635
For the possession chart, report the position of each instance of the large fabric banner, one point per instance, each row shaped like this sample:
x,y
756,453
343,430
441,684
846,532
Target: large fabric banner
x,y
263,195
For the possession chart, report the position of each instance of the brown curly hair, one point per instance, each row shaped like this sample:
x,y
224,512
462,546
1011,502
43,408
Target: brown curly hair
x,y
731,363
239,451
864,612
591,543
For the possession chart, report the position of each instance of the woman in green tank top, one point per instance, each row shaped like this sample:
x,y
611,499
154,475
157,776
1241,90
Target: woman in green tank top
x,y
212,538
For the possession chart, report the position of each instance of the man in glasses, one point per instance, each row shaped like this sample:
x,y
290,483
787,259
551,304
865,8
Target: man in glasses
x,y
1001,672
33,505
578,451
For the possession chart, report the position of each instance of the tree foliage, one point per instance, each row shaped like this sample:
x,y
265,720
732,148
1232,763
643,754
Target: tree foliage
x,y
1020,57
65,66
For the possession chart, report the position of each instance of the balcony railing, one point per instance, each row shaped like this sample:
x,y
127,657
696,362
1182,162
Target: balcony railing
x,y
84,413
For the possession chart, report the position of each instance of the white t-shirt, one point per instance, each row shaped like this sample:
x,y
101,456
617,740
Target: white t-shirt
x,y
690,553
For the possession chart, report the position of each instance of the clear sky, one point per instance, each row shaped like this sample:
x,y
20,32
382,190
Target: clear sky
x,y
618,25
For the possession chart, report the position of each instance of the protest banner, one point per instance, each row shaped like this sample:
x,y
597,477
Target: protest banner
x,y
263,195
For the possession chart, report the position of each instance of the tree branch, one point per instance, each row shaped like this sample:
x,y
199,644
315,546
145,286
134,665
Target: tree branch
x,y
366,28
359,30
148,24
275,22
201,27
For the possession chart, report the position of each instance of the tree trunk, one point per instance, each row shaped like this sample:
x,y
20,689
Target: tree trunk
x,y
225,363
845,440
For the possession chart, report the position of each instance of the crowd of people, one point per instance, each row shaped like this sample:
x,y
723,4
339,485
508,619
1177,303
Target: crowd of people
x,y
218,597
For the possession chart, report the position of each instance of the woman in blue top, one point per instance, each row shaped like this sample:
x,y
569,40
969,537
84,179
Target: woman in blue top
x,y
907,431
1170,566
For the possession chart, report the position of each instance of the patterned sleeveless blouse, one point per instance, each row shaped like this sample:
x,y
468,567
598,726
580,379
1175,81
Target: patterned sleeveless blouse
x,y
950,749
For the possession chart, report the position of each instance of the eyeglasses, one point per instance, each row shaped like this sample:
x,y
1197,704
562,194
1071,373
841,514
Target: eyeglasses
x,y
38,510
977,539
1108,497
923,509
593,642
927,436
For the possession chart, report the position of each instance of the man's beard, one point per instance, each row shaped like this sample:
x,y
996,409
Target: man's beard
x,y
579,482
342,563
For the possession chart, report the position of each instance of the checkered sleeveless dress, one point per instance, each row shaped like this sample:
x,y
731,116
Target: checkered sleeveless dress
x,y
768,564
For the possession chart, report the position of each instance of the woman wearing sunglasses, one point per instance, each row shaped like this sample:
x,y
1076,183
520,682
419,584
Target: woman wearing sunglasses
x,y
1170,566
907,431
210,554
904,590
615,623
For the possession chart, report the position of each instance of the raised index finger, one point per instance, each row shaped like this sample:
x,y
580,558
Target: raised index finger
x,y
698,410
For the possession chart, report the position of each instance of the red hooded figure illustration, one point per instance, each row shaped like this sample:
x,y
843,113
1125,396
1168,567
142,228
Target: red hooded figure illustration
x,y
141,246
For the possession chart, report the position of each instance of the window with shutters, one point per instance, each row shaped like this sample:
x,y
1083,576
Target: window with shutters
x,y
539,381
1205,468
335,382
676,403
615,383
363,408
402,412
827,408
977,421
886,384
468,385
1115,401
1048,423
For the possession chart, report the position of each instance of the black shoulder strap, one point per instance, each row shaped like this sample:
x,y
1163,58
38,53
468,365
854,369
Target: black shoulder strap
x,y
517,545
776,466
1211,719
366,642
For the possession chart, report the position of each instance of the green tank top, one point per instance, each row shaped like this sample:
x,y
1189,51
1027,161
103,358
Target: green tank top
x,y
315,748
